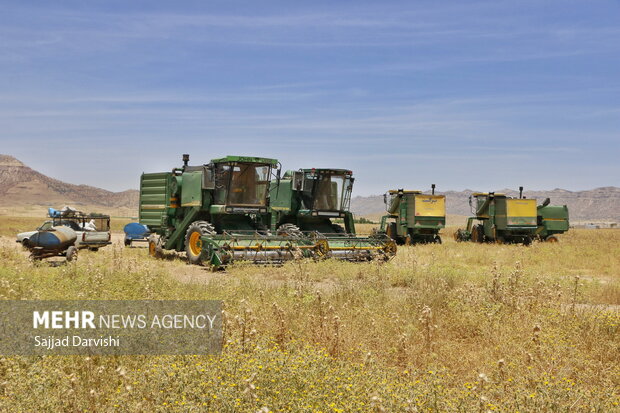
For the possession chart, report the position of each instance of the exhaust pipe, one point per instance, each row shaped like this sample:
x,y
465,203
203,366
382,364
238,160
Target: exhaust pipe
x,y
433,189
520,192
185,160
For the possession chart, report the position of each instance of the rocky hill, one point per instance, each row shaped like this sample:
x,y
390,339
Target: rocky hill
x,y
22,186
600,204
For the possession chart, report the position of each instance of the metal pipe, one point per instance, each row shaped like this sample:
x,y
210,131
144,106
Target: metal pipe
x,y
433,189
520,192
263,255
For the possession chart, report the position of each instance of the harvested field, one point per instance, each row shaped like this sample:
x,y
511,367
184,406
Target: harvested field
x,y
452,327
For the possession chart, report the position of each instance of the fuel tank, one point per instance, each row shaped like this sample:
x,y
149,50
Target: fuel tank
x,y
133,230
56,238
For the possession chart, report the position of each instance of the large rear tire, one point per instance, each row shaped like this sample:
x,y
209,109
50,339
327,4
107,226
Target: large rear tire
x,y
338,229
193,243
551,238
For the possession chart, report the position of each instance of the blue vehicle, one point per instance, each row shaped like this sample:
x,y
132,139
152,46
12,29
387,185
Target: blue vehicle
x,y
135,232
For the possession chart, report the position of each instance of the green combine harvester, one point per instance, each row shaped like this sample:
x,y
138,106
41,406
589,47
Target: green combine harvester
x,y
500,218
218,213
551,220
306,203
413,217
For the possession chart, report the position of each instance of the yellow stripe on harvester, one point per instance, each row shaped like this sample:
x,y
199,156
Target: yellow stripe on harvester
x,y
521,208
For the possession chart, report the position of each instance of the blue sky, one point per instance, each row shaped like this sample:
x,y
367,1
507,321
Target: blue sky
x,y
480,94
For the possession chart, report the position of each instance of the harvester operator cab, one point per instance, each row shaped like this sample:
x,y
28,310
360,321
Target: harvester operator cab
x,y
242,183
392,198
327,189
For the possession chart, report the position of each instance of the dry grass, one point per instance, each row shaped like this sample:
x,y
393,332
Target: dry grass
x,y
452,327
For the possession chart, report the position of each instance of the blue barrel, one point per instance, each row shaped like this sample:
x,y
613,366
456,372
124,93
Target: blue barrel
x,y
133,230
56,239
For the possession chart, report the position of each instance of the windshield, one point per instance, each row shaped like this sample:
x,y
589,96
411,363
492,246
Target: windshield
x,y
328,192
47,225
242,184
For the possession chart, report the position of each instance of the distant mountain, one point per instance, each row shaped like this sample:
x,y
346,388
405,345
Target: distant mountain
x,y
22,186
600,204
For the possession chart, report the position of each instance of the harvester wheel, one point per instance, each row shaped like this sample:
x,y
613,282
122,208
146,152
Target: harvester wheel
x,y
127,242
155,249
437,239
551,238
193,243
289,230
321,248
389,249
338,229
71,254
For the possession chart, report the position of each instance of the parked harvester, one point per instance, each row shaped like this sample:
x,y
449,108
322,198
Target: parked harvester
x,y
306,203
217,213
413,217
499,218
551,220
